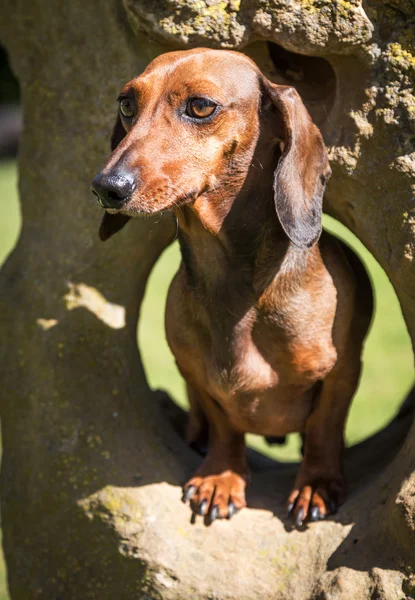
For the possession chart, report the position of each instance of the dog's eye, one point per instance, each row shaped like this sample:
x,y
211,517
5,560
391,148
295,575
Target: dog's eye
x,y
200,108
126,108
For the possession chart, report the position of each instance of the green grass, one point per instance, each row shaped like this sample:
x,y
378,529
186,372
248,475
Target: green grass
x,y
9,231
388,366
9,201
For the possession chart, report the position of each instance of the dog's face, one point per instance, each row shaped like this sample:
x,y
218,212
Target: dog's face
x,y
188,128
179,124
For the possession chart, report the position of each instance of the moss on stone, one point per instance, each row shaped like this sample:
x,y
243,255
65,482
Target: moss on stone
x,y
230,24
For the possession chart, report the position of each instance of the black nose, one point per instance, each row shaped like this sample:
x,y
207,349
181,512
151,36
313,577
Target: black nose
x,y
113,189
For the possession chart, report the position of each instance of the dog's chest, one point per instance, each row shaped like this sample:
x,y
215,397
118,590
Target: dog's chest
x,y
259,367
266,355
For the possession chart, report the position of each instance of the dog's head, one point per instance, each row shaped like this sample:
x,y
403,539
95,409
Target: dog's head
x,y
188,128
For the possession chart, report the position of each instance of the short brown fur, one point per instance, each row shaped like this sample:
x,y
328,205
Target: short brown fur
x,y
265,318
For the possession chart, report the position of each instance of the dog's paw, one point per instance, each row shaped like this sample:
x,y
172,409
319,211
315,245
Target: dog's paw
x,y
315,502
215,496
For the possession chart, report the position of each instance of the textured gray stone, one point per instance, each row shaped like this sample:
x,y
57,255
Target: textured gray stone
x,y
320,26
91,472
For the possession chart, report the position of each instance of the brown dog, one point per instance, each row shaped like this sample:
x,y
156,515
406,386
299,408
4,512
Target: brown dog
x,y
266,318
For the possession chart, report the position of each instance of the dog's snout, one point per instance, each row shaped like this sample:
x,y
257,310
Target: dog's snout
x,y
113,189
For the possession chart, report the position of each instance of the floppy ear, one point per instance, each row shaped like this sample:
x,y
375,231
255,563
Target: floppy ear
x,y
118,133
302,171
110,224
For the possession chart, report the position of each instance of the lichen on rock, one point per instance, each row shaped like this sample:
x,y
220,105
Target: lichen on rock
x,y
336,26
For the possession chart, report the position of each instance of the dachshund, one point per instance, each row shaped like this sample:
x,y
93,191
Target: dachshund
x,y
267,314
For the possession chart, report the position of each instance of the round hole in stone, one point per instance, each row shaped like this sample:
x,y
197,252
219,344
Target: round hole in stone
x,y
387,360
313,77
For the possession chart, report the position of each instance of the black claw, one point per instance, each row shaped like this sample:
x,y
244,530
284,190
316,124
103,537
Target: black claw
x,y
187,494
315,514
202,508
299,519
214,513
231,510
290,508
333,507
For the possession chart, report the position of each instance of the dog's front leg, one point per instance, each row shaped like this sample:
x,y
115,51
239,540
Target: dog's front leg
x,y
197,434
217,490
320,485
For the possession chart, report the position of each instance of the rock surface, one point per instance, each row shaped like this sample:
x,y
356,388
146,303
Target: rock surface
x,y
320,26
91,473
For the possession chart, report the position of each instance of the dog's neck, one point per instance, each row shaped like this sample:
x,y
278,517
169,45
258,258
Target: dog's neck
x,y
236,242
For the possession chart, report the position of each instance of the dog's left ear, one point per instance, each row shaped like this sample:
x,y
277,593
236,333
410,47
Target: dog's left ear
x,y
110,224
303,169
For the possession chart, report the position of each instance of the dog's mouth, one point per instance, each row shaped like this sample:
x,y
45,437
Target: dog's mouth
x,y
147,206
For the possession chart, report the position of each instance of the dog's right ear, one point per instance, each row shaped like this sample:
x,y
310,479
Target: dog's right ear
x,y
118,133
110,224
